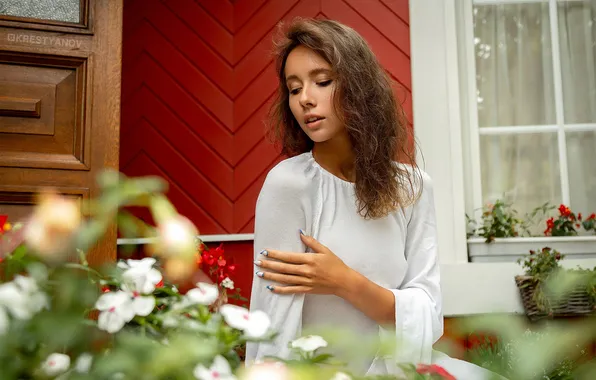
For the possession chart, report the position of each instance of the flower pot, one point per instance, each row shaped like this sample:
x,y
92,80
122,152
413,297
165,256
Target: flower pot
x,y
511,249
576,303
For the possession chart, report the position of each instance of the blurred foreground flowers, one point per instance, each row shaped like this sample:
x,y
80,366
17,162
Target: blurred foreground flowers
x,y
61,318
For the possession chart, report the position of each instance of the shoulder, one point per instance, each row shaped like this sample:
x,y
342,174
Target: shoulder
x,y
290,176
416,180
417,187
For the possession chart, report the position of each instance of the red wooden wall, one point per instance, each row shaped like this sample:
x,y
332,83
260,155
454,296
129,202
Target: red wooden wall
x,y
196,81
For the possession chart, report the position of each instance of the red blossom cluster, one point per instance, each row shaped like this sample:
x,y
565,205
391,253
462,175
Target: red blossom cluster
x,y
215,264
434,371
4,225
563,225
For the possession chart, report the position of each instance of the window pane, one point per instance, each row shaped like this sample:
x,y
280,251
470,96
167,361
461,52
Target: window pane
x,y
581,157
577,35
514,73
58,10
521,168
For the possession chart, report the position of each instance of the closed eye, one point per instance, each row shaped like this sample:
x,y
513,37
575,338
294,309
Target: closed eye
x,y
295,91
325,83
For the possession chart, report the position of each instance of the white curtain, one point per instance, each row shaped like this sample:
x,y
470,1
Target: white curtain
x,y
515,81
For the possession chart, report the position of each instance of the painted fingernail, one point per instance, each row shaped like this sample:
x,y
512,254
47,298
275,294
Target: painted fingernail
x,y
264,252
302,232
270,287
258,263
260,274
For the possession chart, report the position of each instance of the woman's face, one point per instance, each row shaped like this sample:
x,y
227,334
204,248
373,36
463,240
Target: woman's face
x,y
311,85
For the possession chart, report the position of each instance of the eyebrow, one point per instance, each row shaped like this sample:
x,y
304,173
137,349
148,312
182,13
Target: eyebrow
x,y
311,73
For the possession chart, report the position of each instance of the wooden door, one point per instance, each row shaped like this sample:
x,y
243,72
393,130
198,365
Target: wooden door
x,y
59,101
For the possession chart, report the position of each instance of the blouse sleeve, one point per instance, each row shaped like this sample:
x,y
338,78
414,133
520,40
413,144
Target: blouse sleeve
x,y
418,313
279,216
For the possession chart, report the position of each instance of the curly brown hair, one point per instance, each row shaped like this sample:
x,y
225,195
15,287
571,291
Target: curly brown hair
x,y
364,102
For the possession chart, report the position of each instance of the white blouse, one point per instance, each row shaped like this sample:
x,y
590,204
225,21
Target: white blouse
x,y
398,252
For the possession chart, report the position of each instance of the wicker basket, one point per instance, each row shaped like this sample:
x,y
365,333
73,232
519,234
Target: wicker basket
x,y
576,303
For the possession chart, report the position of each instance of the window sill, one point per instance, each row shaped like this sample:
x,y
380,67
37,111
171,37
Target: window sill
x,y
511,249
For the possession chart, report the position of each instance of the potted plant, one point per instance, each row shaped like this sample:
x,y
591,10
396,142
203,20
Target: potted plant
x,y
573,295
503,236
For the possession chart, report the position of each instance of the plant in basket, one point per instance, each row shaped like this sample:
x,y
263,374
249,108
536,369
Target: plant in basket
x,y
549,290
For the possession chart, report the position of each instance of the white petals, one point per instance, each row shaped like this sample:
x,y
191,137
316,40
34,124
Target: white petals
x,y
219,370
146,263
83,363
142,305
227,283
115,310
309,343
140,276
254,324
56,364
203,294
22,298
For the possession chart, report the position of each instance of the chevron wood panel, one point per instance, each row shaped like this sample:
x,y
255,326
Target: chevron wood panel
x,y
196,84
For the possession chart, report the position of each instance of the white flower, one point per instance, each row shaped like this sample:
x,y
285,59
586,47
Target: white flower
x,y
115,310
309,343
56,364
254,324
14,301
37,300
83,363
21,297
140,276
341,376
227,283
203,294
219,370
267,371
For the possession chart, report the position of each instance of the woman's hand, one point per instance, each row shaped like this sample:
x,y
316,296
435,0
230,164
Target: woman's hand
x,y
320,272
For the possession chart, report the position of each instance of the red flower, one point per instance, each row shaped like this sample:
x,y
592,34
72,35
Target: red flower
x,y
208,258
105,289
579,216
564,210
433,369
592,216
159,284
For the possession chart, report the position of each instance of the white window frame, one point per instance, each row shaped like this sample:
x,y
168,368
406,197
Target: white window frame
x,y
438,114
473,132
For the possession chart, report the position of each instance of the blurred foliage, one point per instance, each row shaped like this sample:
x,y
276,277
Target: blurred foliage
x,y
54,311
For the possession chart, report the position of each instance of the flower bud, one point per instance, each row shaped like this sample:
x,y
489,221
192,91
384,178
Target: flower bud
x,y
178,269
176,238
52,226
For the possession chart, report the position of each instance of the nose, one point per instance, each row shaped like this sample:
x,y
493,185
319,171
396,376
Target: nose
x,y
307,99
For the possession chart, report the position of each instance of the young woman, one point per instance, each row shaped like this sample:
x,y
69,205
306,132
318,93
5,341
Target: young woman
x,y
344,235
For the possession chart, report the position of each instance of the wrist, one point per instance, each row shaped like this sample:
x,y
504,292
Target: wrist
x,y
349,285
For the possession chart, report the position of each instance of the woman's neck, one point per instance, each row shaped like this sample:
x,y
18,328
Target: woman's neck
x,y
336,156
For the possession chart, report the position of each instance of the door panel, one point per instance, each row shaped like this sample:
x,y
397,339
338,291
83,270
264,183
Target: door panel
x,y
52,10
59,105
